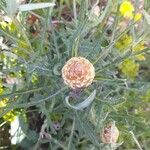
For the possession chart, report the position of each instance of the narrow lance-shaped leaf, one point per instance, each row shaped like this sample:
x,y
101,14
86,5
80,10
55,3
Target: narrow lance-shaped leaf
x,y
31,6
147,16
12,7
83,104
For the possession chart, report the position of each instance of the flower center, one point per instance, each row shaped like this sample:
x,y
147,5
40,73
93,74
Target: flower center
x,y
75,71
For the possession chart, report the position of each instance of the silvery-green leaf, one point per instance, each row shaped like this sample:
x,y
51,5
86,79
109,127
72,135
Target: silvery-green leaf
x,y
31,6
57,70
12,7
83,104
147,16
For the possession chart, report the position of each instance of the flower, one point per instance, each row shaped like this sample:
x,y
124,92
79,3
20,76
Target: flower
x,y
126,9
1,90
146,96
137,48
3,102
129,68
7,24
78,72
9,116
110,134
34,78
137,17
1,87
124,42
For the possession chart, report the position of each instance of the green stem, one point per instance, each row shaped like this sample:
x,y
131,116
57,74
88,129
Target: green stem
x,y
26,105
23,92
136,141
71,135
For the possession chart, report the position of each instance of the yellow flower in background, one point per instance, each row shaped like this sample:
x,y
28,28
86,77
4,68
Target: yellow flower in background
x,y
4,25
3,102
146,96
129,68
8,25
137,48
11,115
137,17
1,90
124,42
34,78
126,9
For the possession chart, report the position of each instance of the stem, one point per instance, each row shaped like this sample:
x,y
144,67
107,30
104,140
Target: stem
x,y
23,92
71,135
26,105
136,141
55,40
75,47
74,10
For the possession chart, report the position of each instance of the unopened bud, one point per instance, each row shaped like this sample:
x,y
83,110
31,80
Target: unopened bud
x,y
110,134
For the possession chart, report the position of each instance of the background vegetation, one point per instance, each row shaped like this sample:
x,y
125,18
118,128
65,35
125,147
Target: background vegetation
x,y
34,46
